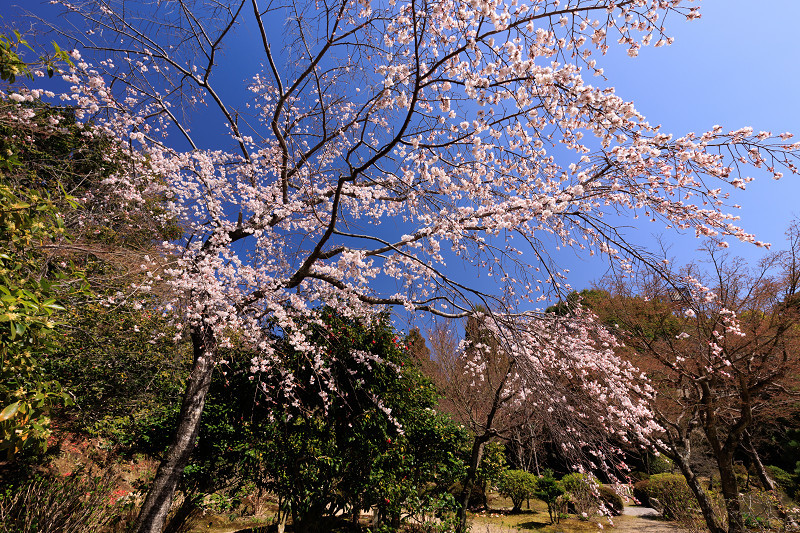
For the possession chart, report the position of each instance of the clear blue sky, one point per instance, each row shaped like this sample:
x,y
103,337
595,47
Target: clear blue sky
x,y
739,65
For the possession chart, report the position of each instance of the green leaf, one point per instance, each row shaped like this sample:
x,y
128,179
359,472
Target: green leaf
x,y
9,411
51,304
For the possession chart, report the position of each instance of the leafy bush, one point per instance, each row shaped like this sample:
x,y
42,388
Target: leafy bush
x,y
76,503
611,500
378,443
29,312
674,496
517,485
659,464
582,494
785,480
549,491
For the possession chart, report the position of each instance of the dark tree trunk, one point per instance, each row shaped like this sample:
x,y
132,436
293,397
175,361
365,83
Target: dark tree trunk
x,y
484,496
766,480
730,491
154,511
469,481
706,507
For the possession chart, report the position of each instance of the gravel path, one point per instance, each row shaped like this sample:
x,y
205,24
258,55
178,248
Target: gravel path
x,y
644,512
637,519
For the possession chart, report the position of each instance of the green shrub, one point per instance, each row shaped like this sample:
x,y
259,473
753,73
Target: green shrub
x,y
674,496
754,522
549,491
611,500
582,494
517,485
785,480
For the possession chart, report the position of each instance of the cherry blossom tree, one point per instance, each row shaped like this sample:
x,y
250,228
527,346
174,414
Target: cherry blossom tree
x,y
722,354
380,143
553,370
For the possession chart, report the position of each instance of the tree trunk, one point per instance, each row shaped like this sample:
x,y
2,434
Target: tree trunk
x,y
283,514
469,482
766,480
159,499
484,496
730,491
700,495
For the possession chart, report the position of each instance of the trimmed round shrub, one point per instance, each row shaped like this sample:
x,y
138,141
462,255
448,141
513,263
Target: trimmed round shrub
x,y
673,494
517,485
612,501
581,490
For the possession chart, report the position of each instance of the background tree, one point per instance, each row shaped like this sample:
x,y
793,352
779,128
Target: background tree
x,y
480,385
527,442
32,290
492,392
68,232
28,309
721,358
438,117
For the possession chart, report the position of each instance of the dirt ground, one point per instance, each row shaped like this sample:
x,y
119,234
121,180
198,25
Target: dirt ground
x,y
643,520
634,520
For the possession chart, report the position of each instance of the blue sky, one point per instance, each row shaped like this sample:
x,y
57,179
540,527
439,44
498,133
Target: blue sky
x,y
739,65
